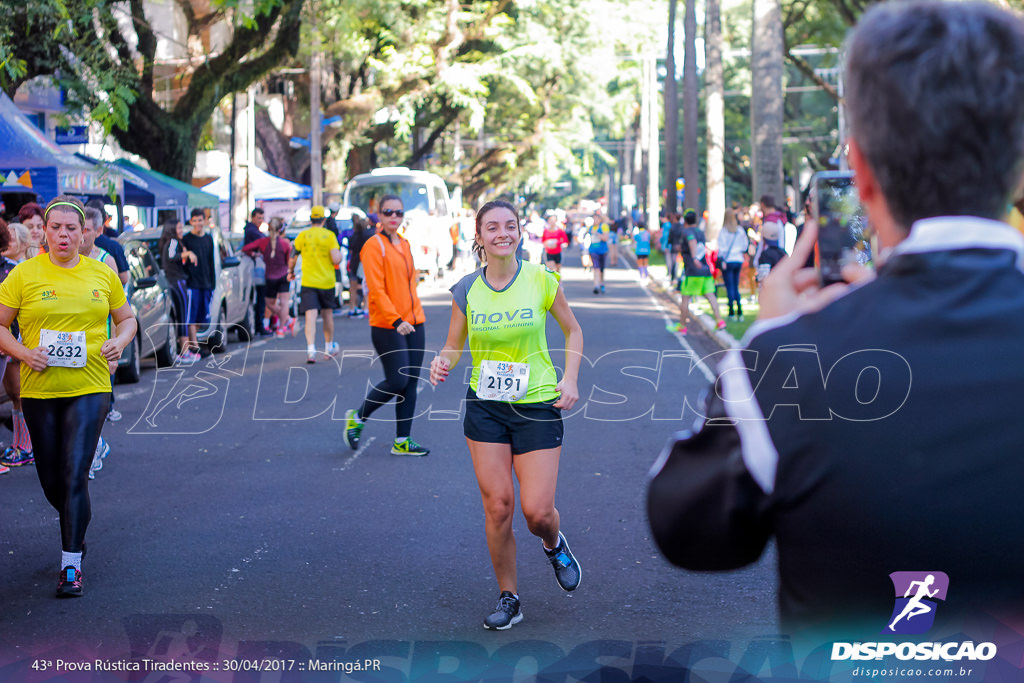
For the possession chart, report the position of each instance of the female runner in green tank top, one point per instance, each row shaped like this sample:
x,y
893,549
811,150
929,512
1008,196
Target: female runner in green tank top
x,y
513,421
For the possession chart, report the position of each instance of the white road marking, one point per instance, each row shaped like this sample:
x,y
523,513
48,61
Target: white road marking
x,y
352,458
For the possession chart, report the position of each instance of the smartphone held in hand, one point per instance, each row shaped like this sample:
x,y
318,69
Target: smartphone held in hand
x,y
843,233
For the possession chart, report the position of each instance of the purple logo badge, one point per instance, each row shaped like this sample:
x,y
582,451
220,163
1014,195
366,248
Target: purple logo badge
x,y
917,594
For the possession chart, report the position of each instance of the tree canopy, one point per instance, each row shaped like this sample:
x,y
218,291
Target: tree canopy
x,y
518,97
103,54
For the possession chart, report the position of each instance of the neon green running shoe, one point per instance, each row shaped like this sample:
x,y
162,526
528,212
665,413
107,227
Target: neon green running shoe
x,y
353,429
408,447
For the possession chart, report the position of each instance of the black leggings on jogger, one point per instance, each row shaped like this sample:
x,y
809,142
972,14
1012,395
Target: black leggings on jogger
x,y
64,434
401,357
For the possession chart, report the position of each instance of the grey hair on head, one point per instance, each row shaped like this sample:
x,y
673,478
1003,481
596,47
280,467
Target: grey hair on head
x,y
96,216
934,92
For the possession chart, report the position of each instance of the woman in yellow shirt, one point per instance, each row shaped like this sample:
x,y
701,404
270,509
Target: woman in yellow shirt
x,y
62,301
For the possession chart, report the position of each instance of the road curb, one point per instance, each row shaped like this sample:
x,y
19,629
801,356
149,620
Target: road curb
x,y
721,337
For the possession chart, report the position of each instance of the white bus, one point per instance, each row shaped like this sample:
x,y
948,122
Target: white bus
x,y
428,211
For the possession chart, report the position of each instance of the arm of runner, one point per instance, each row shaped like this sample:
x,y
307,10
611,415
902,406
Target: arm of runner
x,y
378,301
291,264
691,244
567,387
34,358
448,357
254,246
336,256
125,328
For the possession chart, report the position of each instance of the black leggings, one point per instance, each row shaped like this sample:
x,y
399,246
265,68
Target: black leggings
x,y
64,434
401,357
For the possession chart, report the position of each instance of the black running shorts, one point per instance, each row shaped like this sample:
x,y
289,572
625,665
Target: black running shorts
x,y
276,286
312,299
527,427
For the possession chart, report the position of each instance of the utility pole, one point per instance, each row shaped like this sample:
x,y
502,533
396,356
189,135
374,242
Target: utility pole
x,y
250,149
243,158
316,161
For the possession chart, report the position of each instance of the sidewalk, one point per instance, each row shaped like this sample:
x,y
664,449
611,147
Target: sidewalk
x,y
660,285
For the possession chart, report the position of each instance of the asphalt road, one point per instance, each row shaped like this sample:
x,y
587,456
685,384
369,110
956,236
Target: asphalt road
x,y
233,529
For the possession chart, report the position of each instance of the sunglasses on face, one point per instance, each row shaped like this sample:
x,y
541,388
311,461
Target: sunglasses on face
x,y
393,212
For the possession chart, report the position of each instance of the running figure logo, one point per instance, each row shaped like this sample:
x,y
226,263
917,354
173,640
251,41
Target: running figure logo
x,y
917,594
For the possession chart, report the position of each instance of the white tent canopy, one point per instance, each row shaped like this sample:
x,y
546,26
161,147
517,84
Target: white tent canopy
x,y
265,188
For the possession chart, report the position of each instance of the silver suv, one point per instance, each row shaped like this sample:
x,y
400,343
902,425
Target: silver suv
x,y
231,308
153,305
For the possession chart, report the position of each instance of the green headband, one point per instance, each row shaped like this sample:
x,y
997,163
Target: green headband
x,y
81,213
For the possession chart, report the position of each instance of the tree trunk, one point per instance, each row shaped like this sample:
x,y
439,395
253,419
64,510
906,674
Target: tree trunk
x,y
169,143
714,97
691,170
168,139
277,152
767,99
671,113
362,158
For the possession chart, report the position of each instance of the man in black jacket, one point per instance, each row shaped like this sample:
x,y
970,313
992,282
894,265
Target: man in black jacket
x,y
250,234
875,427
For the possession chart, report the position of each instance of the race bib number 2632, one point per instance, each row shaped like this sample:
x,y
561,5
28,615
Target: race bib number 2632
x,y
64,349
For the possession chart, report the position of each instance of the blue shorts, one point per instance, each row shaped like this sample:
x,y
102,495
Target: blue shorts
x,y
198,306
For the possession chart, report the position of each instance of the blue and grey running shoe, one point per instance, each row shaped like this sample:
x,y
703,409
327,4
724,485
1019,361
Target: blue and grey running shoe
x,y
567,569
505,614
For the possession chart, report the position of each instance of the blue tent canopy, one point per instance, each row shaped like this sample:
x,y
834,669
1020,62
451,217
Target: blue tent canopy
x,y
265,187
141,189
30,163
196,198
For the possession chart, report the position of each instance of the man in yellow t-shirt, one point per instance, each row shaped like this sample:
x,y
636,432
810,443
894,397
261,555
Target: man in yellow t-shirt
x,y
320,253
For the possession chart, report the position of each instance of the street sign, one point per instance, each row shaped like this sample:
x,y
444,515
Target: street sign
x,y
72,135
629,196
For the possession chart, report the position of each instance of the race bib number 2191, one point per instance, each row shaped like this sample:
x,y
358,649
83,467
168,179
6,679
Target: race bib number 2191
x,y
503,381
63,349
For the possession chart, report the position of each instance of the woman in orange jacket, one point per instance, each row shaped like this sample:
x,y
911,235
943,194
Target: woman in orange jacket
x,y
396,328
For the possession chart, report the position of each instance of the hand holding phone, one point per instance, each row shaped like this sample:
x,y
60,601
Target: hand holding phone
x,y
843,234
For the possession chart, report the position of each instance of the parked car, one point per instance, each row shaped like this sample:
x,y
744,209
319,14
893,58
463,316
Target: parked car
x,y
149,295
428,213
231,309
